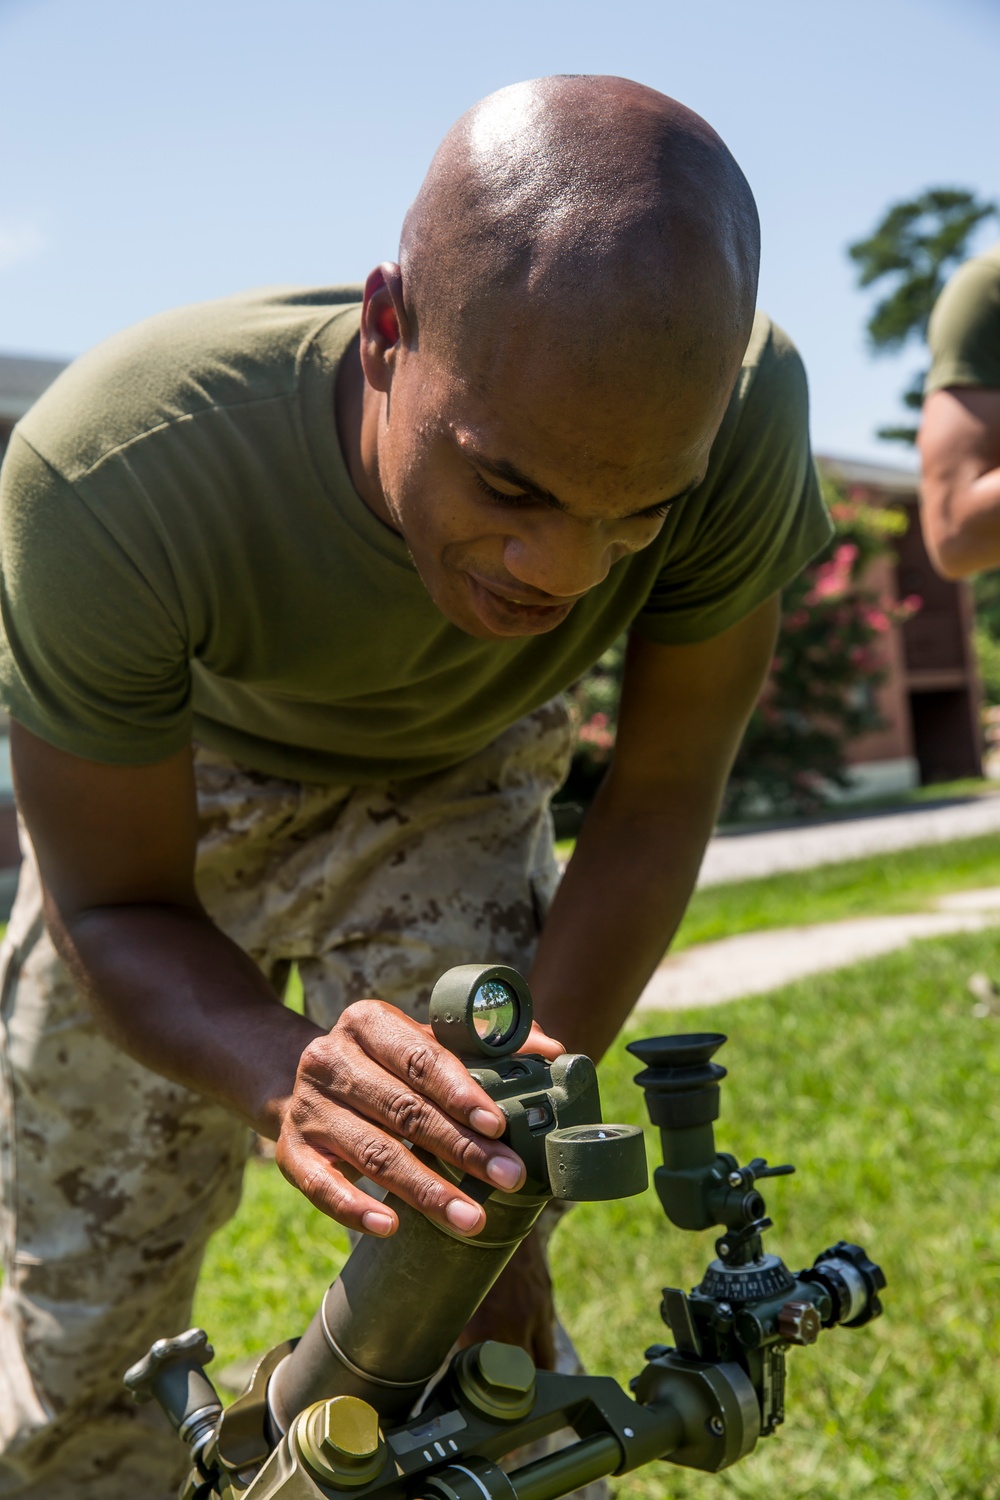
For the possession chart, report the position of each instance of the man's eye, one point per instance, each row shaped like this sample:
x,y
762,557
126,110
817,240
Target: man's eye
x,y
497,496
658,512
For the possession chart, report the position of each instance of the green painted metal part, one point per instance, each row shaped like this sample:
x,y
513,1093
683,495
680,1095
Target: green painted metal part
x,y
596,1162
481,1010
497,1379
570,1469
545,1479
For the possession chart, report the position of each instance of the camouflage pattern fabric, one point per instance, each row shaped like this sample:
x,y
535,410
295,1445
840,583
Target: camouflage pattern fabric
x,y
112,1178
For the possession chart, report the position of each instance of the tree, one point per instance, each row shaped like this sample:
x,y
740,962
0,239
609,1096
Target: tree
x,y
914,248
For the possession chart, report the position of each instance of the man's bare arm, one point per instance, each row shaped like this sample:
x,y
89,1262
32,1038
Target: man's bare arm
x,y
682,715
116,849
683,712
960,454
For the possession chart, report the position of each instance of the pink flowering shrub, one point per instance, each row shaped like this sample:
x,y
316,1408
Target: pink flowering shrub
x,y
819,694
827,662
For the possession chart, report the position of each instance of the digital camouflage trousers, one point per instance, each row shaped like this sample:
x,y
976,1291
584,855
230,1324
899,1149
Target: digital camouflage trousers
x,y
112,1178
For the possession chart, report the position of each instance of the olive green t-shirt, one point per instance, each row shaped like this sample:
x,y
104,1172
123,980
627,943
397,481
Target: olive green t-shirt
x,y
964,331
183,555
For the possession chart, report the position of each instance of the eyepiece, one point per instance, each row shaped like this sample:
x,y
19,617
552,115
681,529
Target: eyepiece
x,y
481,1010
680,1081
686,1049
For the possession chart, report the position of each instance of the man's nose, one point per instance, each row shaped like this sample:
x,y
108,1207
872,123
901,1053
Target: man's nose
x,y
564,559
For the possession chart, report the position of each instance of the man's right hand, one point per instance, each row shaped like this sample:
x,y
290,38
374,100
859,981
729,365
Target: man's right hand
x,y
116,849
376,1081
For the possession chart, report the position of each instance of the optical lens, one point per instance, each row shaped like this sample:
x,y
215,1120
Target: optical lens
x,y
495,1012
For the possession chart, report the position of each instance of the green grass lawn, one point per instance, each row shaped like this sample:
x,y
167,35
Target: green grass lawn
x,y
902,881
884,1089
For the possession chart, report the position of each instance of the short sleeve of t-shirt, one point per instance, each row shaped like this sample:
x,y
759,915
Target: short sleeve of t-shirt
x,y
964,331
757,518
95,661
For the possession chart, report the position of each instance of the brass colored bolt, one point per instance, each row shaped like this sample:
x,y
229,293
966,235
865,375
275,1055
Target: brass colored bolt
x,y
506,1367
350,1430
339,1441
498,1380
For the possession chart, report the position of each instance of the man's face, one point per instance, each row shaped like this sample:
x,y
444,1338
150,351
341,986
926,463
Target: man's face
x,y
518,484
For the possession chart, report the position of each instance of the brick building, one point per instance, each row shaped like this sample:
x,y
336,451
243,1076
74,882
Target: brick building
x,y
22,381
930,699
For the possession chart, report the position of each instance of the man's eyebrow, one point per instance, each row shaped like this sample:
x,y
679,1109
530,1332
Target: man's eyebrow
x,y
504,469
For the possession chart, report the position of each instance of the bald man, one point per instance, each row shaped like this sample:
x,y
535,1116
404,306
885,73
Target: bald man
x,y
291,585
960,425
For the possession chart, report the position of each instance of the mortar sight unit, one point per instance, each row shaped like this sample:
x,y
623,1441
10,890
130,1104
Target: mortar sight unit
x,y
373,1400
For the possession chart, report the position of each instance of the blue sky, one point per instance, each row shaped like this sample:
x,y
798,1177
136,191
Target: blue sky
x,y
160,154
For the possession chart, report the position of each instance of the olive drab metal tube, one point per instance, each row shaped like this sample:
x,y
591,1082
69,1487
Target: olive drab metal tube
x,y
362,1343
570,1469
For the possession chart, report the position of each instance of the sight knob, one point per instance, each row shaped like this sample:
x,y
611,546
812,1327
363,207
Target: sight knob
x,y
799,1323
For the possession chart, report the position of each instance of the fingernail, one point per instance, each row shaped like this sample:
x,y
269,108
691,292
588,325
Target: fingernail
x,y
485,1123
378,1223
463,1216
505,1173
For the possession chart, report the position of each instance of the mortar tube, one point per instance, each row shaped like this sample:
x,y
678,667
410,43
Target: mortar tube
x,y
389,1321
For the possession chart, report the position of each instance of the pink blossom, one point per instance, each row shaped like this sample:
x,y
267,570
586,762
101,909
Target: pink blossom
x,y
833,578
596,734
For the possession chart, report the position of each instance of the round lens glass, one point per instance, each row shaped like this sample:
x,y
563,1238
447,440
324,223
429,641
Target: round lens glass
x,y
495,1012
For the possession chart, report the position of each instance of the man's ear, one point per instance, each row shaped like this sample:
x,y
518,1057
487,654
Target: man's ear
x,y
383,324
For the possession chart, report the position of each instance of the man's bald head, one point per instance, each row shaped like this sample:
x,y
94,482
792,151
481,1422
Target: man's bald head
x,y
591,209
547,368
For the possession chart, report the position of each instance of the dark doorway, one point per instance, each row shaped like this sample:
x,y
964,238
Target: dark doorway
x,y
944,739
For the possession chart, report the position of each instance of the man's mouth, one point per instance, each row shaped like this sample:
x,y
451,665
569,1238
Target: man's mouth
x,y
509,612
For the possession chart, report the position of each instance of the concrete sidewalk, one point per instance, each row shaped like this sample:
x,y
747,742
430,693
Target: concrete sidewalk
x,y
753,963
749,856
